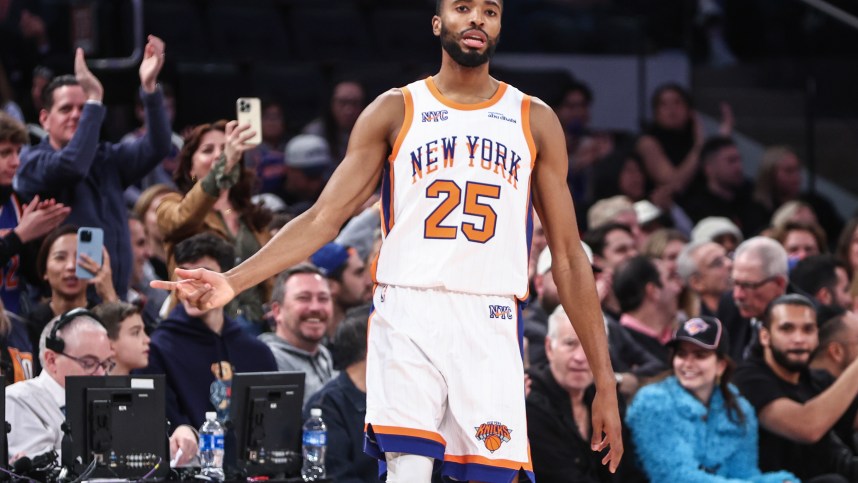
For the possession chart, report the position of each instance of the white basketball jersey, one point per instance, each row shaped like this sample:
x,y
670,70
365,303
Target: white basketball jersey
x,y
456,208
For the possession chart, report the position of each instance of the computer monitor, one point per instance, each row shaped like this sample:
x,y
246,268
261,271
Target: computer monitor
x,y
116,427
264,429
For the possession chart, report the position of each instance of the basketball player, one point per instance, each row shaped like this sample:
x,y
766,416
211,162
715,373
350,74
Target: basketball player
x,y
462,159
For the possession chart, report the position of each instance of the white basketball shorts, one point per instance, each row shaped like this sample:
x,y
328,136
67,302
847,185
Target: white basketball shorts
x,y
445,380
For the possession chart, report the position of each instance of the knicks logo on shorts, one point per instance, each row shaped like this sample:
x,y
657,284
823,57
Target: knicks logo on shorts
x,y
500,312
493,434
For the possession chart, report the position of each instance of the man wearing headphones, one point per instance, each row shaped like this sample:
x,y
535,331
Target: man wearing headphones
x,y
74,344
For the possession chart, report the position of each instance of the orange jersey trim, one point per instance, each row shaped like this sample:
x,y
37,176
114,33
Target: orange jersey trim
x,y
406,123
528,134
414,433
532,213
465,107
482,460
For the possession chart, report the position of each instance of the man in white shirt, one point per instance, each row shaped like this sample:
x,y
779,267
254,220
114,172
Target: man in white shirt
x,y
36,407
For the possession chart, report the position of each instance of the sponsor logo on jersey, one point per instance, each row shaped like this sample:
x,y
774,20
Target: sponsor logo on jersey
x,y
497,115
434,116
500,312
493,434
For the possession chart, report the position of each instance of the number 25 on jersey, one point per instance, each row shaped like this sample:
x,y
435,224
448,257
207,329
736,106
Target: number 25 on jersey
x,y
434,227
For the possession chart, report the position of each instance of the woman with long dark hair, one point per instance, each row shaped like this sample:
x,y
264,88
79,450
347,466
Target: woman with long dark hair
x,y
694,426
217,191
670,145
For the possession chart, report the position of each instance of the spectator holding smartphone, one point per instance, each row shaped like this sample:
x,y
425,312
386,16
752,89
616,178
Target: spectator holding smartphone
x,y
56,263
217,188
71,165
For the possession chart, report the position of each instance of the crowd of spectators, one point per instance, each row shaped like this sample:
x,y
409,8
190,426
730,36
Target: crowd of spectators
x,y
754,274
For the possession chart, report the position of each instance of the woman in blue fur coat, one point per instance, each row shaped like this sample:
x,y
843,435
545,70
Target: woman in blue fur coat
x,y
694,427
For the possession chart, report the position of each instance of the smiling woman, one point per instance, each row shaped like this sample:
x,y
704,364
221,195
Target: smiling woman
x,y
710,428
56,264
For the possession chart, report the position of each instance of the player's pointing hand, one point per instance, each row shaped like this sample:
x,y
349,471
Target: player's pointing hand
x,y
201,288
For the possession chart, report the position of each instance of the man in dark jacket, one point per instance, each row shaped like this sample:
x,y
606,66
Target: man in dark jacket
x,y
72,166
199,351
558,414
343,404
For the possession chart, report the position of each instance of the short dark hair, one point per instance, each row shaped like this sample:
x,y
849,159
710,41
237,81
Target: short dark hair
x,y
439,2
631,279
713,145
280,283
831,330
193,249
816,272
575,85
596,238
56,83
671,86
111,314
12,131
788,299
350,338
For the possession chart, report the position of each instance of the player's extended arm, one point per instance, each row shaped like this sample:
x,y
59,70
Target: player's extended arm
x,y
351,184
573,274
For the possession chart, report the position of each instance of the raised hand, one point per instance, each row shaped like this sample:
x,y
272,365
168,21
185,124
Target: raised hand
x,y
103,279
40,217
236,142
201,288
88,81
153,61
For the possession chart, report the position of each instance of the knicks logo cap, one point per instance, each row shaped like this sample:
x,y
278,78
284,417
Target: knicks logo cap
x,y
704,331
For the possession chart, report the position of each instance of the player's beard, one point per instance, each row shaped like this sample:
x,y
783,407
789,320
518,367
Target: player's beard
x,y
467,58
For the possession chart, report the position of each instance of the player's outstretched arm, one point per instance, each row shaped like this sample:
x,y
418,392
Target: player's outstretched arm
x,y
351,184
573,274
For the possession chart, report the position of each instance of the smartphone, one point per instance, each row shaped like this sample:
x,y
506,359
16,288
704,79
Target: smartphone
x,y
90,242
249,111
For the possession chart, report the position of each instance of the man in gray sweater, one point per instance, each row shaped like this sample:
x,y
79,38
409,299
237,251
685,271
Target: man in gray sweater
x,y
302,308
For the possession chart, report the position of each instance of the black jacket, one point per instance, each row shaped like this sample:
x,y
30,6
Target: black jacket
x,y
559,452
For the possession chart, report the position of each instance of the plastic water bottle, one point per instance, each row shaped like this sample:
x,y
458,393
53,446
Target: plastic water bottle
x,y
211,447
315,442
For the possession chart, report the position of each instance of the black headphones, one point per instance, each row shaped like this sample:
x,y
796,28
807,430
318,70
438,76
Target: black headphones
x,y
52,341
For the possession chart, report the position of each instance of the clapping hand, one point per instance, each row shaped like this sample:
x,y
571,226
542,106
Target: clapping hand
x,y
38,218
88,81
153,61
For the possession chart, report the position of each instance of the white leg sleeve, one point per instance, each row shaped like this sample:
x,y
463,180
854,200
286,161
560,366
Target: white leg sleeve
x,y
408,468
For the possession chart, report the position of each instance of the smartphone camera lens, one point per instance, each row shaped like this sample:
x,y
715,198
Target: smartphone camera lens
x,y
86,236
243,106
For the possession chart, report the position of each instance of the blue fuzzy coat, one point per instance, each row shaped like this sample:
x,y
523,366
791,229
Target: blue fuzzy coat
x,y
678,439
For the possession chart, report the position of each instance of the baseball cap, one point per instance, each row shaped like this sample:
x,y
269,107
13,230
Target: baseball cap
x,y
646,212
308,152
712,227
543,263
703,331
330,258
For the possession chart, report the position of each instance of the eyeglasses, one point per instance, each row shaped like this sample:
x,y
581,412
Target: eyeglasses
x,y
718,262
753,285
91,364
